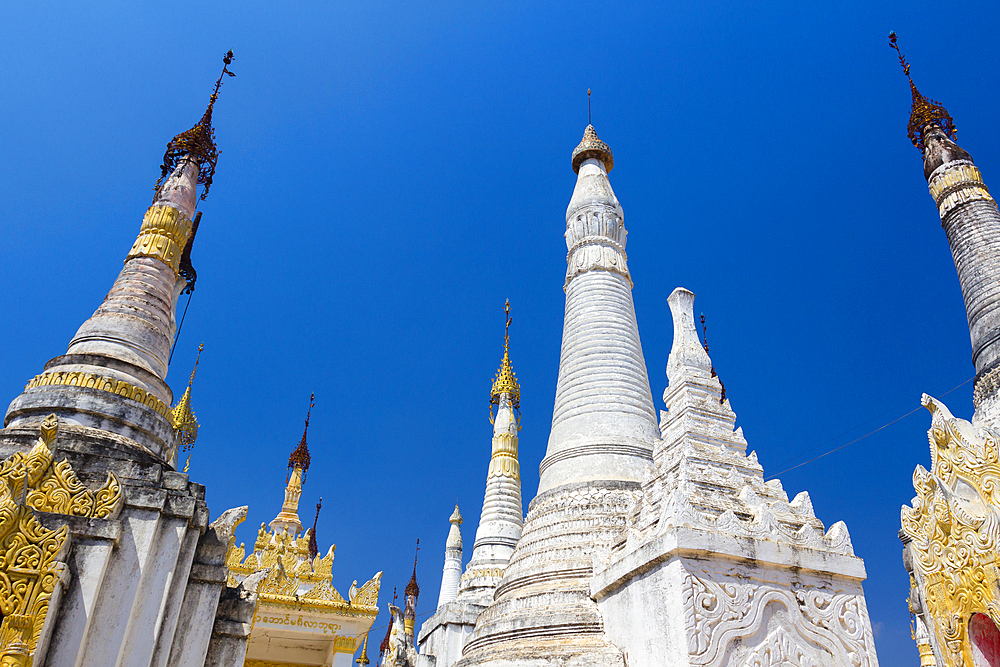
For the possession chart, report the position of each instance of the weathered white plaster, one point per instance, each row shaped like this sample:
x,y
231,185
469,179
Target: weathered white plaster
x,y
452,560
718,567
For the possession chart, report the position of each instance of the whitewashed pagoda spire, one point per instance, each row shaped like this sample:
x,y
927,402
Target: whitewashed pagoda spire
x,y
123,349
600,445
502,517
452,560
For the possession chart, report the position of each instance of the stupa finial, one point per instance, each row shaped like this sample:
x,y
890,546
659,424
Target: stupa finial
x,y
924,110
182,415
198,142
591,146
363,660
299,458
505,382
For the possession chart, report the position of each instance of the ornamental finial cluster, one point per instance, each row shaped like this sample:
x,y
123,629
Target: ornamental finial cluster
x,y
592,147
924,111
183,418
299,458
412,588
505,382
198,142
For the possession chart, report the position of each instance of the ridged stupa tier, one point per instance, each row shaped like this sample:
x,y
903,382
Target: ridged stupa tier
x,y
601,442
444,634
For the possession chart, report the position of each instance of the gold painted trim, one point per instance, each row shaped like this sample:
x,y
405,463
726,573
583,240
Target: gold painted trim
x,y
163,235
93,381
958,185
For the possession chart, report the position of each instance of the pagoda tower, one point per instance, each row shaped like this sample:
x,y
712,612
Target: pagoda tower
x,y
949,531
127,569
452,573
600,444
444,634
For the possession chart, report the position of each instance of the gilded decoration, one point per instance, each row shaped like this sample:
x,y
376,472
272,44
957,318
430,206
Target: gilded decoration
x,y
92,381
953,528
503,460
294,578
44,484
163,235
955,184
31,555
505,382
924,110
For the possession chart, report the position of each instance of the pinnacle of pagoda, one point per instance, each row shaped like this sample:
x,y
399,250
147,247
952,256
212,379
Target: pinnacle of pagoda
x,y
603,431
452,560
502,516
603,423
411,593
971,222
112,375
298,465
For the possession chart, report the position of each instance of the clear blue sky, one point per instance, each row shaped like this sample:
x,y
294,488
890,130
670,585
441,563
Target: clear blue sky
x,y
391,173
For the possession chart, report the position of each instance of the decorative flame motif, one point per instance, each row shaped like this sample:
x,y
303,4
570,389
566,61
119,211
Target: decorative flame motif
x,y
924,111
32,556
954,533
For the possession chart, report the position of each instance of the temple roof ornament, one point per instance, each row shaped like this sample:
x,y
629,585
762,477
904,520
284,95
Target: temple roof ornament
x,y
924,111
412,588
183,418
199,141
363,660
592,147
505,382
299,458
313,543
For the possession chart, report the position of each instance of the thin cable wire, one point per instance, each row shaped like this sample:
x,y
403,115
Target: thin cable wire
x,y
177,336
836,449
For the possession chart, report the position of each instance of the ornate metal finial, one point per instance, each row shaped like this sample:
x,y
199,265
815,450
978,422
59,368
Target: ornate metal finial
x,y
313,544
505,382
592,147
590,120
198,143
704,333
363,660
299,458
924,110
184,420
412,588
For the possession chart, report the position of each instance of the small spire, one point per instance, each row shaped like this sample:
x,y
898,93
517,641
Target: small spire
x,y
384,646
313,544
924,110
198,142
456,516
412,588
363,660
505,382
299,458
592,147
183,418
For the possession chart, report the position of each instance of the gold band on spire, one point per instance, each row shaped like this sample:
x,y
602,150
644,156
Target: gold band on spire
x,y
924,110
505,382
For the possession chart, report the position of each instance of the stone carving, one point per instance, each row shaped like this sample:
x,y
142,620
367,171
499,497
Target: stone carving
x,y
400,653
953,530
367,595
723,611
52,486
596,240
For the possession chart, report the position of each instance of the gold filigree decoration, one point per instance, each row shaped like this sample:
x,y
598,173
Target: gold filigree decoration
x,y
31,555
505,382
163,235
503,460
51,486
92,381
924,111
954,530
293,576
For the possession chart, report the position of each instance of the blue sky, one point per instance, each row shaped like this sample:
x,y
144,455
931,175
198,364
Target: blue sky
x,y
390,174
